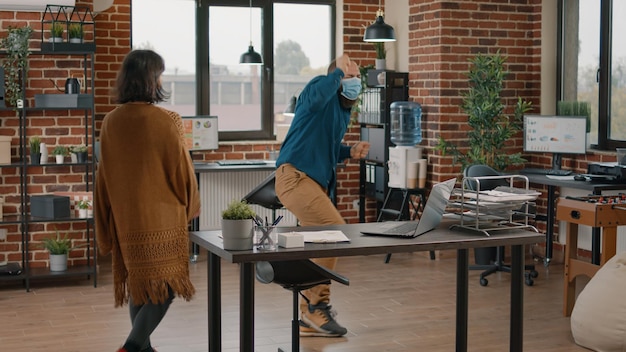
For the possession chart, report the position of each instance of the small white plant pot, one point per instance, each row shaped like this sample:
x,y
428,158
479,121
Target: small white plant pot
x,y
83,213
56,40
59,158
58,262
76,40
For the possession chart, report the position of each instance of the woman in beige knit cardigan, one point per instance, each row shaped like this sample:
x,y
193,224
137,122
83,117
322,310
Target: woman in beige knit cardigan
x,y
145,196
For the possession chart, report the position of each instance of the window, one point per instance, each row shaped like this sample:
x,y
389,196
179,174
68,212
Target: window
x,y
167,27
249,100
217,32
593,66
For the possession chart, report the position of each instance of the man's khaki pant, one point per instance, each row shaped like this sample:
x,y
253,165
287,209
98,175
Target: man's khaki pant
x,y
308,201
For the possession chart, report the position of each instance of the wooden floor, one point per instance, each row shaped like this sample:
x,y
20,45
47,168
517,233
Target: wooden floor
x,y
406,305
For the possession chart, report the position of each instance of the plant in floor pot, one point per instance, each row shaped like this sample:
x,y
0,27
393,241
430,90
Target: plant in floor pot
x,y
35,150
491,130
59,152
237,226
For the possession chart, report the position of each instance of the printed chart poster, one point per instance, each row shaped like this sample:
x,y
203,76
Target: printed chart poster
x,y
201,132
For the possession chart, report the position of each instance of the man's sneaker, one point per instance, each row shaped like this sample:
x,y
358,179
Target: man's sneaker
x,y
319,320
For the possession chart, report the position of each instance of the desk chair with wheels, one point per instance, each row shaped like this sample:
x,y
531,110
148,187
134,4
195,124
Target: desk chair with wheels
x,y
479,170
265,195
296,276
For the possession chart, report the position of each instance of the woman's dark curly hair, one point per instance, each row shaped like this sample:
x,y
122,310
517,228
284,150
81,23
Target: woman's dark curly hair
x,y
139,79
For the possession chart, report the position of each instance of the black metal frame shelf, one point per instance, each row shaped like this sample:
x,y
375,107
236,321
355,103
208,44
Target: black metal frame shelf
x,y
87,169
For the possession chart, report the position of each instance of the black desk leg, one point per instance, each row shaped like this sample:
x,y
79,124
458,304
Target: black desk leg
x,y
517,299
246,307
214,302
551,214
462,291
595,241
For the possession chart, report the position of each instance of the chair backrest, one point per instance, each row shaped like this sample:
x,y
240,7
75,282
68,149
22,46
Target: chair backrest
x,y
478,170
264,194
296,274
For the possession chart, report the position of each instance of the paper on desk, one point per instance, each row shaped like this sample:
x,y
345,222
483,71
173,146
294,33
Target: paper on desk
x,y
330,236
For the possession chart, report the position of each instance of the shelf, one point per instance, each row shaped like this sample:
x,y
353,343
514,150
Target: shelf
x,y
77,270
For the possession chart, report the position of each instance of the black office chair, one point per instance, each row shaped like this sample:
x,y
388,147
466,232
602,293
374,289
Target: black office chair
x,y
296,276
265,195
492,257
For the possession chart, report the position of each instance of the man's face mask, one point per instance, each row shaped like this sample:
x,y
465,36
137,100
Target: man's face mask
x,y
351,87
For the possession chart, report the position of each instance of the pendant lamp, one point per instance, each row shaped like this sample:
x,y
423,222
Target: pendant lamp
x,y
251,57
379,31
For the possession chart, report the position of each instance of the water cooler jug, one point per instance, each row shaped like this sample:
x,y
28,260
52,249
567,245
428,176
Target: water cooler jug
x,y
406,133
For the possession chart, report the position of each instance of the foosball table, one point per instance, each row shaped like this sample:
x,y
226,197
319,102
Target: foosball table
x,y
605,212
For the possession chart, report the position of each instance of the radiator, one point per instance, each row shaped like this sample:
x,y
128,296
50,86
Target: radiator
x,y
218,189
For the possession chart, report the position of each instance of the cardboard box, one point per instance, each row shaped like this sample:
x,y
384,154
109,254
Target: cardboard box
x,y
5,150
50,206
63,100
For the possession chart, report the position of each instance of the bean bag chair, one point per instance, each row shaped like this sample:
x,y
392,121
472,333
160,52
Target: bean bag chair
x,y
598,320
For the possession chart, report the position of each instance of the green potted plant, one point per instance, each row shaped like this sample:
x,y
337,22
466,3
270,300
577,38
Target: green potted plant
x,y
490,128
75,33
60,151
35,150
15,62
575,108
83,208
237,225
381,55
81,153
56,32
58,247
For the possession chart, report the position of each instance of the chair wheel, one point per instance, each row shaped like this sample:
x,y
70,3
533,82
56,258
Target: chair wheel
x,y
534,274
483,281
529,281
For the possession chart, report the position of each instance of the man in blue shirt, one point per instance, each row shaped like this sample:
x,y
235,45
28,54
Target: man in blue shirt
x,y
306,172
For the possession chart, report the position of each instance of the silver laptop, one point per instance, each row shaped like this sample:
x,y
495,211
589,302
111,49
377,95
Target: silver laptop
x,y
431,216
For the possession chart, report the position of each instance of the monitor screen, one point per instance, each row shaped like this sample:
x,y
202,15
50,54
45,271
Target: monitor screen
x,y
201,132
555,134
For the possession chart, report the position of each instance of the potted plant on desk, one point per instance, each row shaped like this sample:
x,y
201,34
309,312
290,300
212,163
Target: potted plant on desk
x,y
237,226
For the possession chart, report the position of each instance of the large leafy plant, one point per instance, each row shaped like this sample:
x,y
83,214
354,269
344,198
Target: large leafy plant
x,y
491,129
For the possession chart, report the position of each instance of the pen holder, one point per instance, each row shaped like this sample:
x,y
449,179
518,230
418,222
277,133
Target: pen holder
x,y
266,237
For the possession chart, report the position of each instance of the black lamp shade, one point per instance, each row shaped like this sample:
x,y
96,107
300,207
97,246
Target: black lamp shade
x,y
379,31
251,57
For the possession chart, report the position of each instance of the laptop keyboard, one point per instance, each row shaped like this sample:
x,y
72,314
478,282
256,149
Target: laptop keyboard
x,y
403,229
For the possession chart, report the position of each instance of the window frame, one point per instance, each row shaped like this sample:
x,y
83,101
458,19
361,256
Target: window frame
x,y
266,50
603,74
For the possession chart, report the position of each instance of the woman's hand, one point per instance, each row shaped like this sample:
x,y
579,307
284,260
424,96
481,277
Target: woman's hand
x,y
360,150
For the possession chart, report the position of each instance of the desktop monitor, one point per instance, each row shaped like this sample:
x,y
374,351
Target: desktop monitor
x,y
201,132
555,134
